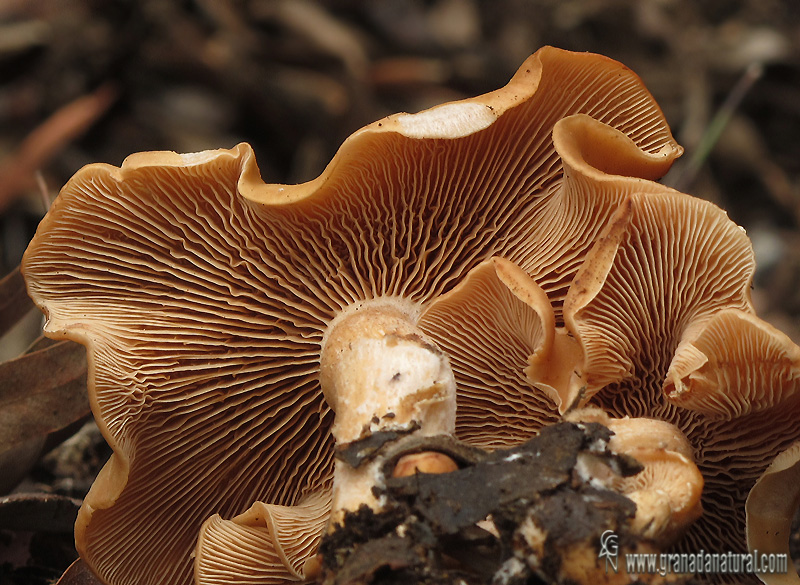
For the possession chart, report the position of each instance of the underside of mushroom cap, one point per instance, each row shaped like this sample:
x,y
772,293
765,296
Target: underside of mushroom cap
x,y
661,309
771,508
265,544
666,262
202,295
493,325
733,364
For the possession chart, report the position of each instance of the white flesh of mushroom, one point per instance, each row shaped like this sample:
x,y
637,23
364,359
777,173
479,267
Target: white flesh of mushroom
x,y
380,372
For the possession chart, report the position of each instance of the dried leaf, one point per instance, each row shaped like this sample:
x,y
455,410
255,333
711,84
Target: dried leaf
x,y
41,392
78,574
14,300
17,460
38,512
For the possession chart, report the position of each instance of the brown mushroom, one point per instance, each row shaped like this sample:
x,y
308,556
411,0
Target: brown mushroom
x,y
667,491
204,296
658,323
661,309
771,506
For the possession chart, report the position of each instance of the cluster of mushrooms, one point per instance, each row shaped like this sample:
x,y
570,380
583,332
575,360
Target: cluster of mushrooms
x,y
480,269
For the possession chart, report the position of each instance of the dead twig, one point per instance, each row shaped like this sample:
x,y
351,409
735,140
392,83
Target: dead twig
x,y
721,119
64,126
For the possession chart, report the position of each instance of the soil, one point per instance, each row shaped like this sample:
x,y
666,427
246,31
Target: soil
x,y
429,532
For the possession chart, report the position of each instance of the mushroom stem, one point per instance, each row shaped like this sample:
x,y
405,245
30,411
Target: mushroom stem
x,y
380,374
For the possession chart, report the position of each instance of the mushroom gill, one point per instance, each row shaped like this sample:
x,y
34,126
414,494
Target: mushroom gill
x,y
771,507
658,327
493,325
662,312
203,295
265,544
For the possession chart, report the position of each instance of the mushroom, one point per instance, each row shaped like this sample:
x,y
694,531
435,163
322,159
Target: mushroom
x,y
661,310
207,301
667,491
657,324
771,506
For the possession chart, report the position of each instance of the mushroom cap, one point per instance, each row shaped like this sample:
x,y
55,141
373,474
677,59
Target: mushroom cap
x,y
667,490
666,493
424,462
631,434
771,506
733,365
202,294
494,325
661,310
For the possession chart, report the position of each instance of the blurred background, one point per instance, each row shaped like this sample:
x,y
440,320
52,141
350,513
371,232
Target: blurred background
x,y
86,81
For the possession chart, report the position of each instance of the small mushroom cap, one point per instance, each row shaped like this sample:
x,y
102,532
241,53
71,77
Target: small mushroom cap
x,y
631,434
203,294
667,491
771,507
